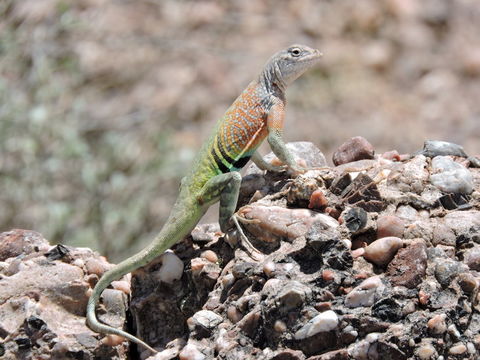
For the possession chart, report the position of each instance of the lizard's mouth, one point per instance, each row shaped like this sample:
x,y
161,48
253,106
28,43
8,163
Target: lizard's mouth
x,y
315,56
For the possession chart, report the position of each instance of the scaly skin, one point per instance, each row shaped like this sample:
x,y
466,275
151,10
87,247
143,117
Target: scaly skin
x,y
258,113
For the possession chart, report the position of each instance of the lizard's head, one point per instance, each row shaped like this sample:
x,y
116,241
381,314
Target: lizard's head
x,y
287,65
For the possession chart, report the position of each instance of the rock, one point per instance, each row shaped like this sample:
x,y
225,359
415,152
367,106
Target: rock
x,y
357,148
457,349
464,224
390,225
292,295
425,352
206,319
472,258
454,201
366,293
282,223
437,325
96,266
391,155
16,242
382,251
409,266
467,282
191,352
355,219
341,354
287,355
301,150
412,175
327,245
363,193
446,270
249,323
318,200
433,148
205,232
323,322
44,301
171,269
452,177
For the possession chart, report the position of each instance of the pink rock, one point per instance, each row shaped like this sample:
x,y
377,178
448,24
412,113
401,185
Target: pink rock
x,y
357,148
391,155
390,225
382,251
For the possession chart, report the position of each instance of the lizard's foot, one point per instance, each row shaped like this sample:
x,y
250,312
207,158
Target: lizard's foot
x,y
246,244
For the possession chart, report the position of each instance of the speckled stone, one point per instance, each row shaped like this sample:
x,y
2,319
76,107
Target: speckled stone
x,y
409,266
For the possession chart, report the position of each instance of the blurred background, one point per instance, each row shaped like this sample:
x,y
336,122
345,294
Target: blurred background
x,y
104,103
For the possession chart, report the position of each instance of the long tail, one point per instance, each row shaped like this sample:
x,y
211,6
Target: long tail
x,y
176,228
136,261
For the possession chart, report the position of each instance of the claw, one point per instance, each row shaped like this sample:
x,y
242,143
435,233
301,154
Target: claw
x,y
247,245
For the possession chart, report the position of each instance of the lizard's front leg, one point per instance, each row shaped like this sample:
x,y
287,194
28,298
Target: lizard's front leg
x,y
275,120
226,188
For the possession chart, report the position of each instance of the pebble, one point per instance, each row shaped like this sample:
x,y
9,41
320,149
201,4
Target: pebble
x,y
269,268
228,280
451,177
318,200
471,348
425,352
358,252
391,155
292,295
210,256
457,349
204,318
233,314
79,262
357,148
249,323
95,266
171,269
121,285
471,62
365,293
446,270
112,340
437,325
433,148
280,326
328,275
382,251
390,225
453,331
472,258
191,352
323,322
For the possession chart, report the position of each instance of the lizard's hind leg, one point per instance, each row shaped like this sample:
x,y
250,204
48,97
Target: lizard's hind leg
x,y
227,187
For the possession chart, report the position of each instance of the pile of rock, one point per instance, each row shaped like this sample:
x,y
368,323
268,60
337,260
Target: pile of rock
x,y
44,290
377,257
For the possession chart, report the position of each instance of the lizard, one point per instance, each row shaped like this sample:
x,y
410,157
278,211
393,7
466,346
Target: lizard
x,y
257,114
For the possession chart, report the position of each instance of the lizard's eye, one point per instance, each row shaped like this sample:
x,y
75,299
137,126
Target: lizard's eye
x,y
295,51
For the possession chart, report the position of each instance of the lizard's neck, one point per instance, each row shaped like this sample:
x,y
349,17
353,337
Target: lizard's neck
x,y
270,80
